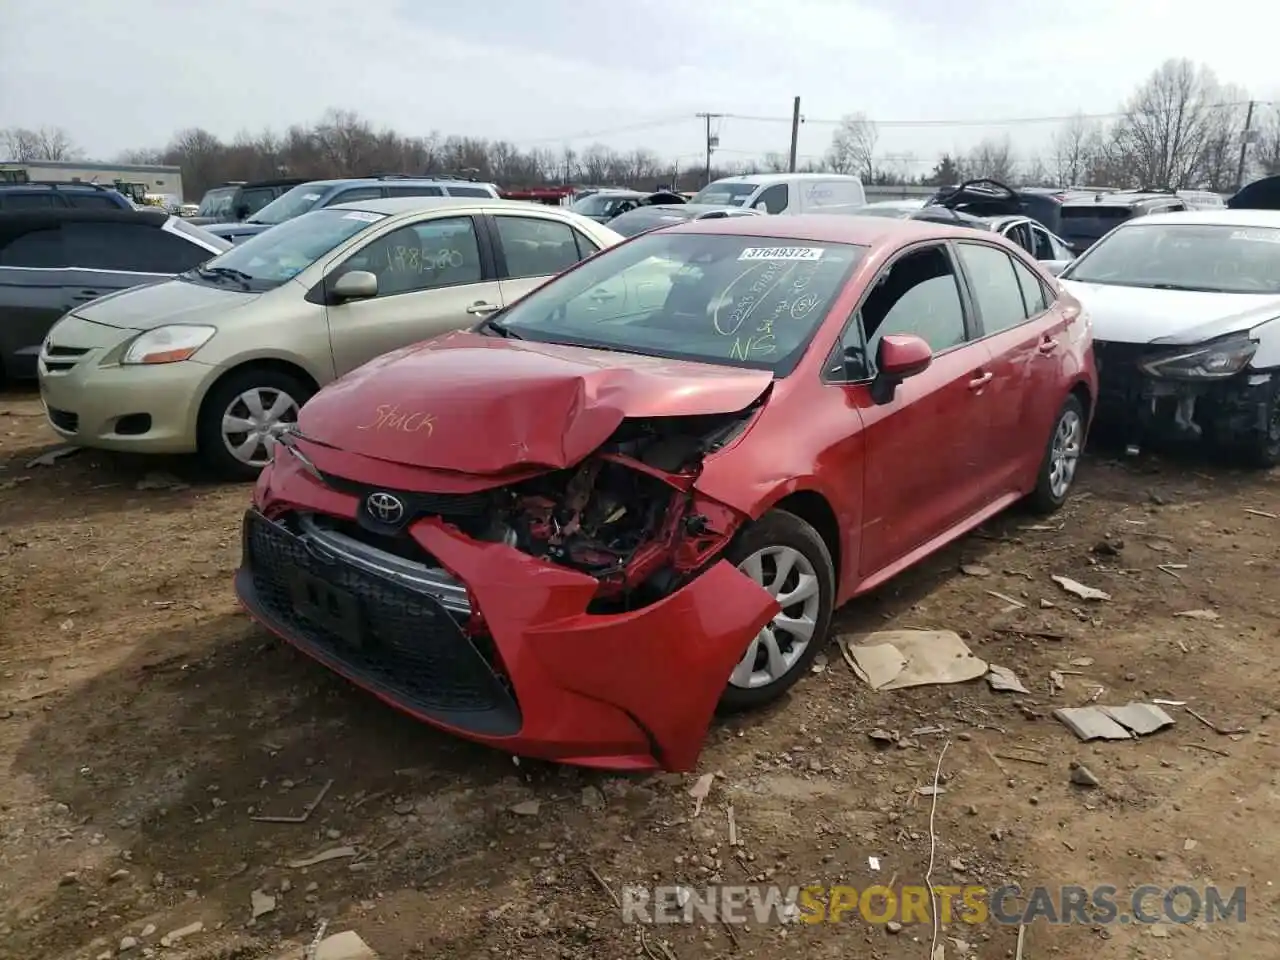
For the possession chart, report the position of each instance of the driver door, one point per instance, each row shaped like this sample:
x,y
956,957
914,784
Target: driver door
x,y
434,276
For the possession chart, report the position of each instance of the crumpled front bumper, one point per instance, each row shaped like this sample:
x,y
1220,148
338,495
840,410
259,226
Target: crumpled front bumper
x,y
541,677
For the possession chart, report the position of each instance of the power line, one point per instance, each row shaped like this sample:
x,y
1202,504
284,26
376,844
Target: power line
x,y
630,128
991,122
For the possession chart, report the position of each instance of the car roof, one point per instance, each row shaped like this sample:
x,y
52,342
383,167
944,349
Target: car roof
x,y
40,185
761,178
1220,217
30,219
436,181
397,205
827,228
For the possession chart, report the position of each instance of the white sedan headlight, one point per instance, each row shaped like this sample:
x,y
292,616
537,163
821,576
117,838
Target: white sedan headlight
x,y
1214,360
168,344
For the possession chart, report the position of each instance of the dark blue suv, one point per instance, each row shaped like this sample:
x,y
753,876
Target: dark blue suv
x,y
37,196
325,193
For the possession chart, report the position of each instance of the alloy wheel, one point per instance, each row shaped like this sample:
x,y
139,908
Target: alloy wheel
x,y
1065,455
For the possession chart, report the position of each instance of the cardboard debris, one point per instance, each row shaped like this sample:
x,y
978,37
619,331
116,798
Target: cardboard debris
x,y
1114,723
337,853
1141,718
1079,589
894,659
1004,679
344,946
1091,723
700,790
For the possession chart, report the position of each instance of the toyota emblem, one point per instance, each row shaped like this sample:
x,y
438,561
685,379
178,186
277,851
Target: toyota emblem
x,y
385,507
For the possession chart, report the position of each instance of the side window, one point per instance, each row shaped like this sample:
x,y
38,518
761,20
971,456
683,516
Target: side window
x,y
129,248
1020,233
414,192
92,201
37,248
919,295
1033,292
29,201
586,246
536,247
995,286
255,200
468,192
354,194
1043,246
422,256
775,198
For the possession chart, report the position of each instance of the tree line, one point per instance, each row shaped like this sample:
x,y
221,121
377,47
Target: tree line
x,y
1181,128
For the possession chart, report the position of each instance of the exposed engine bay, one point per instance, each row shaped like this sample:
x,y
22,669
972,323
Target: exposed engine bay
x,y
627,515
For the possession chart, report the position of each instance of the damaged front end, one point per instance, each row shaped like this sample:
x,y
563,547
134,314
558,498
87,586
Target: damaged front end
x,y
1186,392
596,612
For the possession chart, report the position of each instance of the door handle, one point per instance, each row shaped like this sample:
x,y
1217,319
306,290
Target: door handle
x,y
86,295
977,383
603,296
1048,345
480,308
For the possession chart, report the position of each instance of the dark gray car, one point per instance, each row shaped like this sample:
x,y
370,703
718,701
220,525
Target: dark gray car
x,y
55,260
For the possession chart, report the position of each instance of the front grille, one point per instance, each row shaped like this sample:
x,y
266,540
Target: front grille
x,y
410,648
1121,383
452,506
64,420
61,359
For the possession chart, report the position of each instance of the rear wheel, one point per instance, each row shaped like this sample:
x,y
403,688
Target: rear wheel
x,y
789,559
1263,447
242,417
1061,458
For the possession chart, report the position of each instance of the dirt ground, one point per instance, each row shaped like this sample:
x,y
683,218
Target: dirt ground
x,y
144,721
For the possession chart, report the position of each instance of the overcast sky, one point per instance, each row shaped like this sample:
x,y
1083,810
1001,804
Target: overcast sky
x,y
628,73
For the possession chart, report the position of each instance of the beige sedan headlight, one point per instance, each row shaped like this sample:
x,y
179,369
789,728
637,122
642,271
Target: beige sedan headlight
x,y
168,344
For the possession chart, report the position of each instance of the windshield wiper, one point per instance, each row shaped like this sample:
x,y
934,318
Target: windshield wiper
x,y
225,273
1183,287
500,328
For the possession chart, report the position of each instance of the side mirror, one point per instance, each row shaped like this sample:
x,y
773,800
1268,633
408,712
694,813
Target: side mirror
x,y
898,357
761,206
355,285
1056,267
242,211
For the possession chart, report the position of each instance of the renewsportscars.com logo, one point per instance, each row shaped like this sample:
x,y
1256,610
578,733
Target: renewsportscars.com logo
x,y
1006,905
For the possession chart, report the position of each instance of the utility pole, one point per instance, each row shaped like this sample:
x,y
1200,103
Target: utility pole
x,y
795,131
1244,146
712,141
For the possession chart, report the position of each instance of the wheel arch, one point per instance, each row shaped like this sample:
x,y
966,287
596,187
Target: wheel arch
x,y
814,509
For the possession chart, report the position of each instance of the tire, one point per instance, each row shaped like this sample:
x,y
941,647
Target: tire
x,y
227,398
1262,450
1068,429
773,534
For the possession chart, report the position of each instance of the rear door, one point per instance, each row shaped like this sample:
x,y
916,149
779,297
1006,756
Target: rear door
x,y
107,256
434,275
530,250
32,294
1022,336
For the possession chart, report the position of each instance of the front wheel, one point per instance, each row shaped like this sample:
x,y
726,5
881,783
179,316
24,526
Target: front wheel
x,y
242,417
787,557
1061,459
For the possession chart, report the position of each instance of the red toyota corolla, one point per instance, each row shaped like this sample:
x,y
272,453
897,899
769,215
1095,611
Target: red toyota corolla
x,y
639,492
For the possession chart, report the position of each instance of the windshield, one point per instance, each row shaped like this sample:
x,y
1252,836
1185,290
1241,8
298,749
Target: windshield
x,y
1206,257
733,300
725,194
638,221
291,204
274,256
602,205
216,203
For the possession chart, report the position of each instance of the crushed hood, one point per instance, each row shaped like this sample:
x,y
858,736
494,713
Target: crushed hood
x,y
170,301
485,405
1143,315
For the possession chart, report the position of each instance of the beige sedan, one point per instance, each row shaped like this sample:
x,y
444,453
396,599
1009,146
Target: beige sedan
x,y
219,360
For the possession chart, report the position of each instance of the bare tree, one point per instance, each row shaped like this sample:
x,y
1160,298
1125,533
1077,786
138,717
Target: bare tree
x,y
1035,172
1267,153
1071,155
1169,123
45,143
775,162
853,147
992,159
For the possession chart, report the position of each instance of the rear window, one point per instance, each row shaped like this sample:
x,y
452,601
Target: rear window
x,y
1086,223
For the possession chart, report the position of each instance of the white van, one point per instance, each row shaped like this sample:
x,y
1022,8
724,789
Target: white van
x,y
787,193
